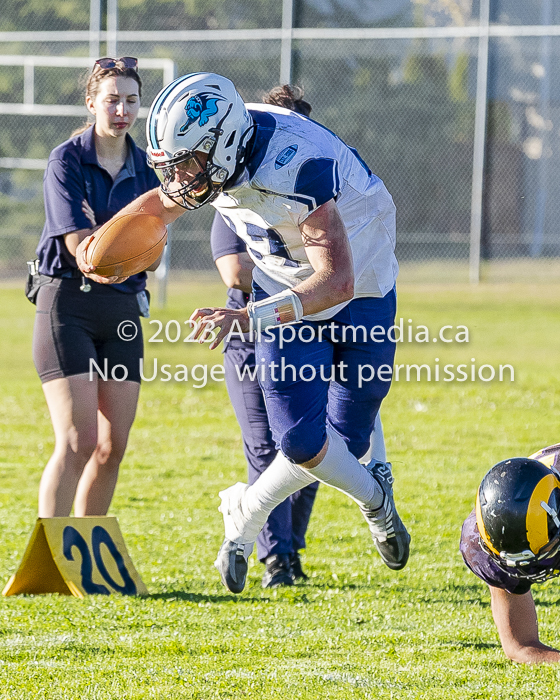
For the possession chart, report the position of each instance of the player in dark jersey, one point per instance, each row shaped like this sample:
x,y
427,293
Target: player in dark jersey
x,y
511,540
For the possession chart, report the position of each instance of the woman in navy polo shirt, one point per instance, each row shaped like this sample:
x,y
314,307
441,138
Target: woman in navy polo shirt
x,y
88,179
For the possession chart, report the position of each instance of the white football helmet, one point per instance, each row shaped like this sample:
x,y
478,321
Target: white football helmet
x,y
198,130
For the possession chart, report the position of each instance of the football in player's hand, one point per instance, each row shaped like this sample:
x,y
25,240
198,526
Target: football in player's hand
x,y
126,245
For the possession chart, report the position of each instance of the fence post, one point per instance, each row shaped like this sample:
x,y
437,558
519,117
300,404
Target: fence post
x,y
479,142
94,29
544,108
112,28
162,273
286,48
29,81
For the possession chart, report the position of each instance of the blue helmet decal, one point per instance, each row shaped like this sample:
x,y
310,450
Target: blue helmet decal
x,y
285,157
200,108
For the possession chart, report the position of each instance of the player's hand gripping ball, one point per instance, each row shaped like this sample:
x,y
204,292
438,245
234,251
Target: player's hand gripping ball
x,y
126,245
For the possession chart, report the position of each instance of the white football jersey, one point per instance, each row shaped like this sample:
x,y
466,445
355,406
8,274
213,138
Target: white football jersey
x,y
297,165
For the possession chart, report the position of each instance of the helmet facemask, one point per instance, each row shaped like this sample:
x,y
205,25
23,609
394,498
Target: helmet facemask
x,y
526,565
190,178
189,181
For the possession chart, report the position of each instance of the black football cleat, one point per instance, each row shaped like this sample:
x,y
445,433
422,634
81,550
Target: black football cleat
x,y
298,574
278,571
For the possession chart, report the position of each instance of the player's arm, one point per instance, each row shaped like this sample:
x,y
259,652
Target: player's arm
x,y
327,247
328,250
236,270
332,282
152,202
156,203
516,619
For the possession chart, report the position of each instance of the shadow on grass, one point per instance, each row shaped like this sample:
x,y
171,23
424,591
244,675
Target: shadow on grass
x,y
205,597
471,645
540,603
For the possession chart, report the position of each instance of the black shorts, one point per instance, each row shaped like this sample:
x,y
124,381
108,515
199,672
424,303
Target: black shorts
x,y
74,328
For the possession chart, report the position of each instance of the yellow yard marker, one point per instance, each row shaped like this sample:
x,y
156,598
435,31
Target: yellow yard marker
x,y
76,556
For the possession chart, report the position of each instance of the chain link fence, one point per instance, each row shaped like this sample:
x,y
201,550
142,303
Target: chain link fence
x,y
396,79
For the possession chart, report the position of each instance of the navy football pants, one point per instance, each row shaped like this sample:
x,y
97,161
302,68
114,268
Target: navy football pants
x,y
300,399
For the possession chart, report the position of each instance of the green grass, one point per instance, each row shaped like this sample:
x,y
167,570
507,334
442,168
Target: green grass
x,y
355,630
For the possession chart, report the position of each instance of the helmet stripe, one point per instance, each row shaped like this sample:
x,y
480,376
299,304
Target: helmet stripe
x,y
154,112
537,517
481,529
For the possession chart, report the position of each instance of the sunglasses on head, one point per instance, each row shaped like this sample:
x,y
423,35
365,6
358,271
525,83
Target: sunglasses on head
x,y
126,61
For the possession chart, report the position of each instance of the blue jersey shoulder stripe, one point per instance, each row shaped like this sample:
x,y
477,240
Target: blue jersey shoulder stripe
x,y
361,161
155,110
318,179
266,126
337,185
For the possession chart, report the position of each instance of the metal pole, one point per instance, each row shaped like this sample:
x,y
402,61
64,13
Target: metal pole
x,y
112,28
28,81
162,273
479,143
94,29
286,48
544,103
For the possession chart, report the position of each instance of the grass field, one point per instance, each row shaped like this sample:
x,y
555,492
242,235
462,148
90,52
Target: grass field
x,y
355,630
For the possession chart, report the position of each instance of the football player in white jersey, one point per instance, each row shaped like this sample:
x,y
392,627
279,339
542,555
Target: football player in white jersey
x,y
320,229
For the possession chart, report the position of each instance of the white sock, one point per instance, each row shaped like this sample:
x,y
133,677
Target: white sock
x,y
274,485
377,451
339,468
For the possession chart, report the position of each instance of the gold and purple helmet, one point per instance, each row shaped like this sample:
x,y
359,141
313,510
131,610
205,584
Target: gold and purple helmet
x,y
518,518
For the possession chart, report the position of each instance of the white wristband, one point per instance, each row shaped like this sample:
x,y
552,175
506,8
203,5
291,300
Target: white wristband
x,y
284,307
